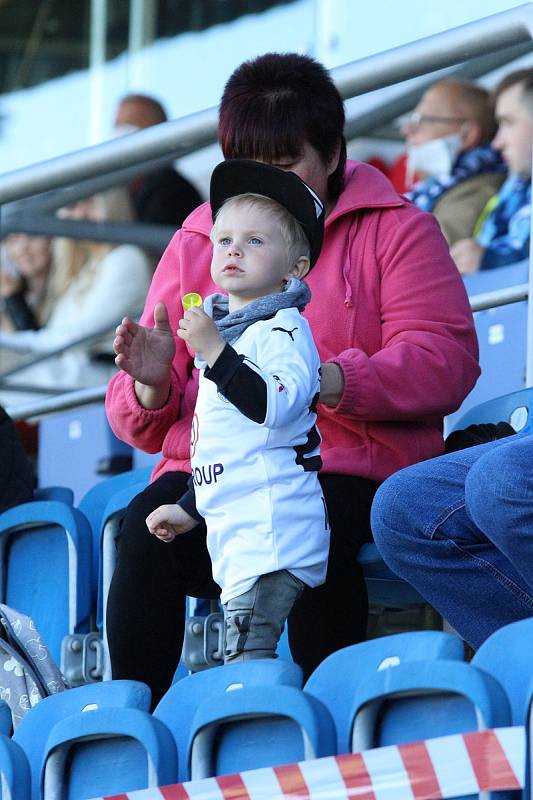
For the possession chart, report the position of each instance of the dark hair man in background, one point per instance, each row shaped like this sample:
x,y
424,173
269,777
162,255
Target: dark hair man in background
x,y
163,196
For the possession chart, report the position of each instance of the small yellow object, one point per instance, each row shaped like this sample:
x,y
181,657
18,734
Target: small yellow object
x,y
190,300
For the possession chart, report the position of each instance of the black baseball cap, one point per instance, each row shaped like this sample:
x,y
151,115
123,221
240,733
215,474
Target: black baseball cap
x,y
240,176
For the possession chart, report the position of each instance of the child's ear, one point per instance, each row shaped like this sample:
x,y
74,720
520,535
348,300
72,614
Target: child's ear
x,y
300,268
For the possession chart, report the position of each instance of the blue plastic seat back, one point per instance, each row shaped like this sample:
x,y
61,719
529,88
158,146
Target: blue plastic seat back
x,y
93,505
61,493
73,443
507,656
15,771
384,587
111,518
258,726
6,720
32,731
413,719
336,679
501,334
107,751
421,700
178,706
142,459
516,408
45,556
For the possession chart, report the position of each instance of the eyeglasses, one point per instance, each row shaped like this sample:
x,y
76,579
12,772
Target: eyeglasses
x,y
416,119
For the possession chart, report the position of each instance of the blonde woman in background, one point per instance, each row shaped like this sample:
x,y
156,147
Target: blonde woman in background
x,y
93,285
25,265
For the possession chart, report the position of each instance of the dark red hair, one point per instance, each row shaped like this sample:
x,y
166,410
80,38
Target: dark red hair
x,y
273,104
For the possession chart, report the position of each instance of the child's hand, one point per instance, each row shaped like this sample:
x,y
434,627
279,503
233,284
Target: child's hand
x,y
146,353
201,334
168,521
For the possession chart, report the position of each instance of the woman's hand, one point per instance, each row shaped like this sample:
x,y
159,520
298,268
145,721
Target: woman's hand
x,y
146,354
169,521
467,254
10,284
201,334
331,384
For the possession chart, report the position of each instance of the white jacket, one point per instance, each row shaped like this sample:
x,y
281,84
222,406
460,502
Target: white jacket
x,y
256,482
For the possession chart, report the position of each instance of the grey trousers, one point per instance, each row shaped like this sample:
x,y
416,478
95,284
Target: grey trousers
x,y
254,620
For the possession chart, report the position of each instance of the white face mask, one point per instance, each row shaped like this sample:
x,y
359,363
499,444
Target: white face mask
x,y
121,130
434,158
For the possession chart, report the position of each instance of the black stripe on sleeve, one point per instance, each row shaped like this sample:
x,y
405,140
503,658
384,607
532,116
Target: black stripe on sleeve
x,y
239,384
188,502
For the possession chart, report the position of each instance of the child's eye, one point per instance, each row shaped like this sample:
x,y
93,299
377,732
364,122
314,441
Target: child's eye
x,y
224,241
255,240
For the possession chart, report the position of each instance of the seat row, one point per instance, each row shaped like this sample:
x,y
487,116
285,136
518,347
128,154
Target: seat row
x,y
78,446
100,739
56,560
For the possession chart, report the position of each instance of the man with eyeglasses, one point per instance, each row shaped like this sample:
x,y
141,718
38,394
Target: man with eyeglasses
x,y
448,149
502,234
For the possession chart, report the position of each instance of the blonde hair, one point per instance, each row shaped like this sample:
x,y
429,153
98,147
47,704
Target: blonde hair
x,y
71,256
292,233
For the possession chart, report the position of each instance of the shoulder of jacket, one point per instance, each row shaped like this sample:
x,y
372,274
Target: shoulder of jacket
x,y
199,221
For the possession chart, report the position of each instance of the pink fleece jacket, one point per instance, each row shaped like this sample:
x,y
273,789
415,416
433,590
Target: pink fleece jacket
x,y
388,306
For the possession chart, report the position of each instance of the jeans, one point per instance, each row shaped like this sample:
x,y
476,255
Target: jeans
x,y
254,620
459,528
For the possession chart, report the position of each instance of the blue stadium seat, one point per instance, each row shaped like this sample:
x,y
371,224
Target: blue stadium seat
x,y
6,719
516,408
45,568
109,532
79,449
506,655
142,459
488,280
257,727
501,333
384,588
336,679
61,493
14,771
421,700
203,643
178,706
32,731
86,658
94,502
107,751
527,793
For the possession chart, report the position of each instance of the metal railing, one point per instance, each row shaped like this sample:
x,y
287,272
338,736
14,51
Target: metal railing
x,y
498,32
82,397
179,137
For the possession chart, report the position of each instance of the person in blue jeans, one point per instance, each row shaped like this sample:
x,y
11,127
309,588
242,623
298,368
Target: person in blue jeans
x,y
459,528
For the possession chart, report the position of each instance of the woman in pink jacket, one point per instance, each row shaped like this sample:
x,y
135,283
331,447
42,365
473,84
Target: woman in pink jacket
x,y
395,334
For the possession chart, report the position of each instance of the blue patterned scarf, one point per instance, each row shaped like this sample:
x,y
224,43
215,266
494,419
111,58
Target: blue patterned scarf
x,y
505,230
426,194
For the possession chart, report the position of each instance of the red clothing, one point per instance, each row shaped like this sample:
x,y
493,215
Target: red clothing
x,y
397,174
388,306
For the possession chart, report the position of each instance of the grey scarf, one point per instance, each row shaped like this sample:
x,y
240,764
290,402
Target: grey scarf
x,y
232,324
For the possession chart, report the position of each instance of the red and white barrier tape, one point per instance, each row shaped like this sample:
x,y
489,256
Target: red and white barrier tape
x,y
436,768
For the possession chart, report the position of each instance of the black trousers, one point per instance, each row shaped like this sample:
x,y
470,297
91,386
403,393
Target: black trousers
x,y
146,603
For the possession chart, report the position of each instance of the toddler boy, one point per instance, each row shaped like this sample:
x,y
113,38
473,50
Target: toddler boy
x,y
254,443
